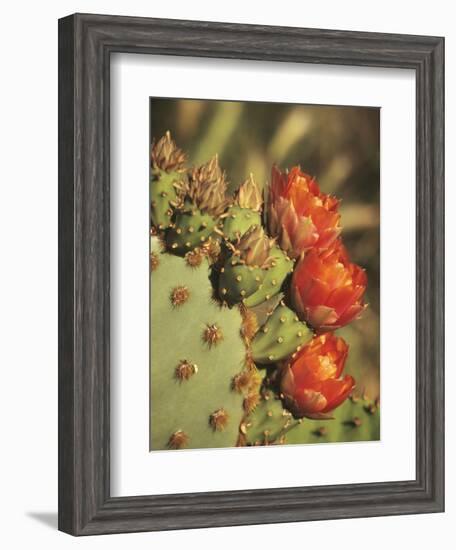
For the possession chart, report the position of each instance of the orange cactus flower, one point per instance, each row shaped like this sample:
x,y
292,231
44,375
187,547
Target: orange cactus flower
x,y
299,214
312,384
327,289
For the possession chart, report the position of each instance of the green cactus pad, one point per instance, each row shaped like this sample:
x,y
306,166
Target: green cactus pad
x,y
190,230
357,419
281,336
354,420
163,196
251,284
238,281
238,220
269,422
196,351
273,279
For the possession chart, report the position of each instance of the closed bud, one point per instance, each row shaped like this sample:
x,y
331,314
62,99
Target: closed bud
x,y
249,196
167,156
255,247
206,188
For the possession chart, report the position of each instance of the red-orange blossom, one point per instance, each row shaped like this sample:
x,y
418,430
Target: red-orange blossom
x,y
327,289
300,216
312,384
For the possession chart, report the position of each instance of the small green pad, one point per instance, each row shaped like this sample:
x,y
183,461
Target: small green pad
x,y
238,281
268,423
273,279
190,230
281,336
250,284
238,221
162,196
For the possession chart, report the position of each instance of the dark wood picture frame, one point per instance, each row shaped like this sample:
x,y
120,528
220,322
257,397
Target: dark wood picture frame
x,y
85,45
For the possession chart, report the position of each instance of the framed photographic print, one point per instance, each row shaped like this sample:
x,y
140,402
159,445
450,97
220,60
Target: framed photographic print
x,y
250,274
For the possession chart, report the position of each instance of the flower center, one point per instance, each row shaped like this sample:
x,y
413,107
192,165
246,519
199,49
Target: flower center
x,y
327,368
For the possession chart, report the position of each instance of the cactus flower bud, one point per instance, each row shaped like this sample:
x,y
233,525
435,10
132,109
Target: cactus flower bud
x,y
167,156
198,218
299,214
245,212
255,247
312,384
255,270
327,289
167,179
206,188
249,196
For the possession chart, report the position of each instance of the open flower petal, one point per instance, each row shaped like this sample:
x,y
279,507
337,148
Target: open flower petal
x,y
327,289
299,214
312,382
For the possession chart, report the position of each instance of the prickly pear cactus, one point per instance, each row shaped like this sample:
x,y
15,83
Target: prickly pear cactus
x,y
196,351
235,359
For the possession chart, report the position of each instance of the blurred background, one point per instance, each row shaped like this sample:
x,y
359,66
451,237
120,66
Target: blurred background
x,y
340,146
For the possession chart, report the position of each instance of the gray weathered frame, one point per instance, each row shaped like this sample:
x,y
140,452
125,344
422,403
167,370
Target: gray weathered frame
x,y
85,45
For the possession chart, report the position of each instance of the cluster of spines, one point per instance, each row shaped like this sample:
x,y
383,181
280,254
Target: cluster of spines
x,y
209,250
185,370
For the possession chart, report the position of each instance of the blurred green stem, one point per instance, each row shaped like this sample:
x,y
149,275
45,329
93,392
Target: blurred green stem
x,y
219,132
